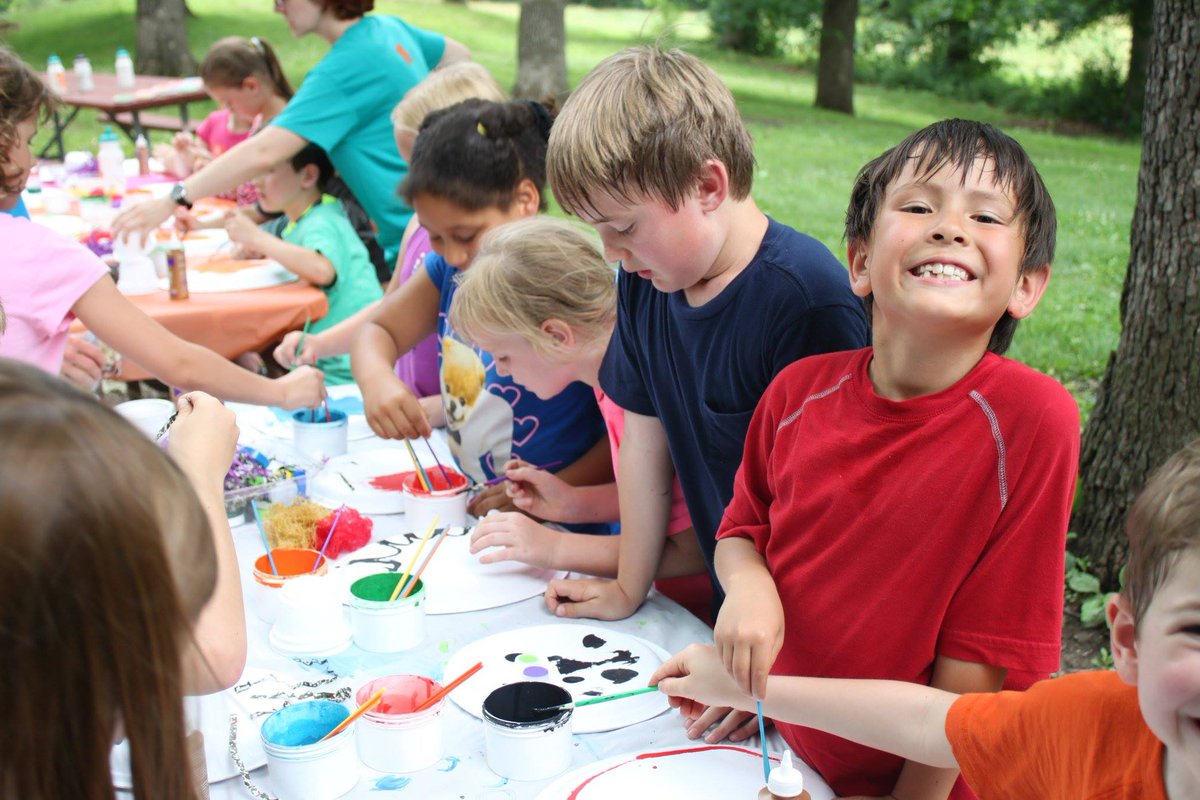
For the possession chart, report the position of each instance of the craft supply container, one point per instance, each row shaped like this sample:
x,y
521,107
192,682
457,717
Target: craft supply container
x,y
301,765
522,745
386,626
398,739
318,437
291,563
449,505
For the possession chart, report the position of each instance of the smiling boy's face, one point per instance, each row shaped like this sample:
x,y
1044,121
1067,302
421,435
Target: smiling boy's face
x,y
945,254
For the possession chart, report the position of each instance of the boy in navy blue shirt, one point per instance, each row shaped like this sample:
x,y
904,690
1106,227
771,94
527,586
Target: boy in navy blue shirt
x,y
714,297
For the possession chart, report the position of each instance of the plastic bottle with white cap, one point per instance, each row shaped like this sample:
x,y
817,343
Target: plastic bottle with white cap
x,y
124,68
785,782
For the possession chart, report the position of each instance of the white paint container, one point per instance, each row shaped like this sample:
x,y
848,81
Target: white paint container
x,y
394,738
148,415
319,437
301,766
309,621
291,563
447,501
386,626
521,742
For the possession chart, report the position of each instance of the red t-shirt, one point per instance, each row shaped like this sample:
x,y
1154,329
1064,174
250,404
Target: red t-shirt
x,y
1079,737
900,531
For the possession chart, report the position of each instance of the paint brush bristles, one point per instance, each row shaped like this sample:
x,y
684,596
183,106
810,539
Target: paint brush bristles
x,y
591,701
358,712
263,533
421,476
449,687
417,576
416,555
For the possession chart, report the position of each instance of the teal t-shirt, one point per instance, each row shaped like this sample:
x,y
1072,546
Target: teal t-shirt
x,y
345,105
325,228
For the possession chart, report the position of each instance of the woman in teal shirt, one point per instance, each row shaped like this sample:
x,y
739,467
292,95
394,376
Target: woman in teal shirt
x,y
343,105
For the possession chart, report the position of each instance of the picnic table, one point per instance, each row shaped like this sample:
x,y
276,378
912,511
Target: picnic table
x,y
463,771
123,107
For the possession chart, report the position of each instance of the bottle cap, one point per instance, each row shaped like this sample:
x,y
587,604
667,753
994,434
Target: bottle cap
x,y
785,780
54,59
140,141
121,51
109,134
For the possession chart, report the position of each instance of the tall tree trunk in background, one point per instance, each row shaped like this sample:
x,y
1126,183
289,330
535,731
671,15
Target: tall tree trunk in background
x,y
542,51
162,41
835,69
1141,23
1149,403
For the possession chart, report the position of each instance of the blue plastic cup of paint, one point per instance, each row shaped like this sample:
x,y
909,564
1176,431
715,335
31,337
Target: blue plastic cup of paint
x,y
320,436
300,763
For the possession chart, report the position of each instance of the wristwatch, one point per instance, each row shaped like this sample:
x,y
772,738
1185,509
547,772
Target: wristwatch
x,y
179,195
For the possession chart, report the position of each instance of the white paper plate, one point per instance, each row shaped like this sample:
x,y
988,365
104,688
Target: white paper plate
x,y
586,660
704,771
266,273
347,479
455,581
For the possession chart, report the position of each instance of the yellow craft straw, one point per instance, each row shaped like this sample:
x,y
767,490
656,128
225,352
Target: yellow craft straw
x,y
416,555
412,584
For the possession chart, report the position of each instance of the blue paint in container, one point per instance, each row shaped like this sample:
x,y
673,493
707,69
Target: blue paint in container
x,y
303,723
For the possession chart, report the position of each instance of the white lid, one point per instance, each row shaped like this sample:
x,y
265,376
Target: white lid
x,y
785,780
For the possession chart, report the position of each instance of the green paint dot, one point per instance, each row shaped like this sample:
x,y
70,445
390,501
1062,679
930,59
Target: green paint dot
x,y
641,623
444,647
527,658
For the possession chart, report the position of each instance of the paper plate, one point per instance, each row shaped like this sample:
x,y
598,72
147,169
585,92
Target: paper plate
x,y
705,771
256,274
586,660
347,479
455,581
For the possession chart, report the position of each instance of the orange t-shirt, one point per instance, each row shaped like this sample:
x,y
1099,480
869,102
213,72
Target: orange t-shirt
x,y
1078,737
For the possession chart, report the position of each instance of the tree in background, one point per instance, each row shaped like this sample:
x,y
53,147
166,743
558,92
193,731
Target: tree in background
x,y
835,66
1149,403
541,51
756,27
953,35
162,40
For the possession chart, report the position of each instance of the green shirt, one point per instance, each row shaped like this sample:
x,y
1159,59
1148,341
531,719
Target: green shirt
x,y
325,229
345,105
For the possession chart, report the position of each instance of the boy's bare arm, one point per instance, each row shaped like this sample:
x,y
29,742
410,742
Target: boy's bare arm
x,y
906,719
308,264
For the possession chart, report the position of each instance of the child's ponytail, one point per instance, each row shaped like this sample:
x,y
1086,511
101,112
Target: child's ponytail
x,y
233,59
476,153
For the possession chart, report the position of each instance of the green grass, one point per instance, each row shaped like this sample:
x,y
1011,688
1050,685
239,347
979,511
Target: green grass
x,y
806,158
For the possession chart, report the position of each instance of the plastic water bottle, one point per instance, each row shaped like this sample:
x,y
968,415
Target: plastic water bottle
x,y
111,159
83,74
124,69
56,73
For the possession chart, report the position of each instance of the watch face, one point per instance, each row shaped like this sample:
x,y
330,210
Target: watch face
x,y
179,195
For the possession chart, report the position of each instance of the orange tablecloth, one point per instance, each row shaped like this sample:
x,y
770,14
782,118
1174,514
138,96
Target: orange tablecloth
x,y
231,323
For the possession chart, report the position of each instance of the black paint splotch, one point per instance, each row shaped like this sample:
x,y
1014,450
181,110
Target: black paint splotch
x,y
618,675
568,665
593,641
512,657
573,679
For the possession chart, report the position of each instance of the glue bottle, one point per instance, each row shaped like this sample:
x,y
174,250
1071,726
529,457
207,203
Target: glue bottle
x,y
124,69
56,74
785,782
141,149
84,81
111,160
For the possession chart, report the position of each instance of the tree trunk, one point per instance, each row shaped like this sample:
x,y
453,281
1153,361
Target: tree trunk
x,y
835,68
541,51
162,42
960,53
1149,403
1141,22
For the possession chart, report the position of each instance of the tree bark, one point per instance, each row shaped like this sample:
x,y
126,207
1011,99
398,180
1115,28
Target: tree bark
x,y
1149,403
541,51
162,42
1141,22
835,67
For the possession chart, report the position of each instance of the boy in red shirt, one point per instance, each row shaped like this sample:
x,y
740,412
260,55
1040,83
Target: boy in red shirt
x,y
1130,734
901,510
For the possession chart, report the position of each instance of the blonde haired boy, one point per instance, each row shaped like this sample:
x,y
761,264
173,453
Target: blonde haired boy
x,y
1134,733
714,298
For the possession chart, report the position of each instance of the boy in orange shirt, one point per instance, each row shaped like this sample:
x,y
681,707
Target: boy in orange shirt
x,y
1132,733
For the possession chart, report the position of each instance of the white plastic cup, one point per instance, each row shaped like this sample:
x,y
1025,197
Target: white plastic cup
x,y
309,620
393,737
290,563
521,742
148,414
136,274
319,437
386,626
447,501
302,766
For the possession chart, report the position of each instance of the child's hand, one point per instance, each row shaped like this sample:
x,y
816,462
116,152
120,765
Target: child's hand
x,y
285,352
392,411
538,492
185,221
489,498
203,437
518,538
732,724
242,231
749,633
83,363
303,388
435,412
183,142
591,598
696,679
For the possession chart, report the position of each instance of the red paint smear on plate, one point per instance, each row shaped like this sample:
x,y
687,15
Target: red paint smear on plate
x,y
574,795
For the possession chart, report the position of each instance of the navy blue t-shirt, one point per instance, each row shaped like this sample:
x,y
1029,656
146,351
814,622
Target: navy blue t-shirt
x,y
702,370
